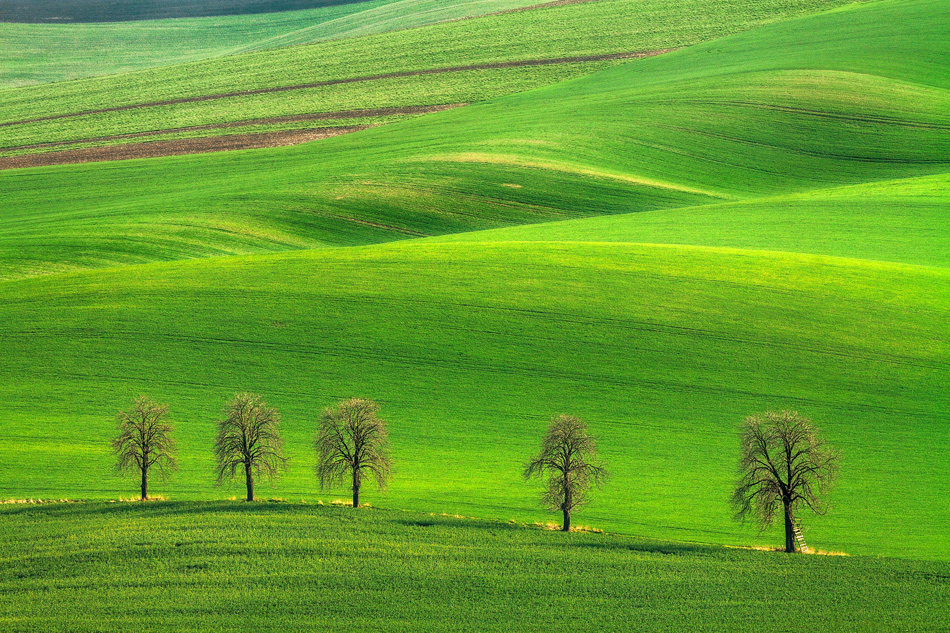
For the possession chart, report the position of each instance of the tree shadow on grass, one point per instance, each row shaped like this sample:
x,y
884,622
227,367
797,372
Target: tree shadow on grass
x,y
627,544
159,508
424,520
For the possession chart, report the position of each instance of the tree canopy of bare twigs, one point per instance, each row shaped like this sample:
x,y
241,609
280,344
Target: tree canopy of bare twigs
x,y
567,457
785,464
145,441
249,438
352,443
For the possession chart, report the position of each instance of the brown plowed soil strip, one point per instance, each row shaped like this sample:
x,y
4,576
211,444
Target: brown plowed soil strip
x,y
333,82
545,5
297,118
533,7
176,147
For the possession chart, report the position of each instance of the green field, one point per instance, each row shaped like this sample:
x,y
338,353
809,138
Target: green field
x,y
578,30
222,566
93,11
660,247
638,137
41,53
894,220
471,347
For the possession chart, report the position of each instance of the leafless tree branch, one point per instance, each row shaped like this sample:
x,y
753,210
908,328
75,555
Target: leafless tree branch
x,y
567,458
145,441
784,463
351,444
249,437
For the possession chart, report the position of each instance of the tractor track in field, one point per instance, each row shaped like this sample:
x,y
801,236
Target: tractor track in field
x,y
204,144
177,147
295,118
533,7
412,358
334,82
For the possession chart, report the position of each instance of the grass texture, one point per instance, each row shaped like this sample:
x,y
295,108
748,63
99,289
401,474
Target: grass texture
x,y
91,11
283,567
784,110
567,31
896,220
43,53
470,348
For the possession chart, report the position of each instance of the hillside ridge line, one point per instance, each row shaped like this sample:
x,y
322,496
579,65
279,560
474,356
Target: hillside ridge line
x,y
177,147
292,118
334,82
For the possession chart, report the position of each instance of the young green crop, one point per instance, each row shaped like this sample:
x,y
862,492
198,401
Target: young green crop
x,y
658,133
663,349
573,30
231,566
41,53
895,220
398,92
472,347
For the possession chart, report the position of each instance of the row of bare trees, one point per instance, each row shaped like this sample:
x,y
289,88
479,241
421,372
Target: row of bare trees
x,y
351,443
785,465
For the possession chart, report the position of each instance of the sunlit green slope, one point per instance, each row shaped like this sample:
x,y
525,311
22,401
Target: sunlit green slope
x,y
232,567
575,29
548,33
40,53
897,220
848,96
836,122
470,348
806,104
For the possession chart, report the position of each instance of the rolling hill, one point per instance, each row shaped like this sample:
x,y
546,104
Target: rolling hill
x,y
458,62
40,48
751,116
471,347
777,203
220,566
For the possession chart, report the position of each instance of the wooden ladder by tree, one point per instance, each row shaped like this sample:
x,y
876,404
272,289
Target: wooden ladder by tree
x,y
799,537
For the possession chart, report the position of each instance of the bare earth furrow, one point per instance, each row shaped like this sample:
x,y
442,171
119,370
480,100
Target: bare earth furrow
x,y
176,147
334,82
296,118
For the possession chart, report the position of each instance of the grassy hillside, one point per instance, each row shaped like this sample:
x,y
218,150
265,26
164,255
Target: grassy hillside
x,y
60,11
40,53
777,111
897,220
576,30
227,567
835,123
472,347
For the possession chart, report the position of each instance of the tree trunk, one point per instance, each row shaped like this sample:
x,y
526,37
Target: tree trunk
x,y
789,530
144,483
356,488
249,477
566,506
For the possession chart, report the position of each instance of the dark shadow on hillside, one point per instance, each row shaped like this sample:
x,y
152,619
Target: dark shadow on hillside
x,y
616,543
422,523
419,521
160,508
78,11
462,523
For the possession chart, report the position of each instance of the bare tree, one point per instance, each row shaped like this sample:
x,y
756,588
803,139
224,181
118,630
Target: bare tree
x,y
784,464
352,444
249,437
567,455
145,441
